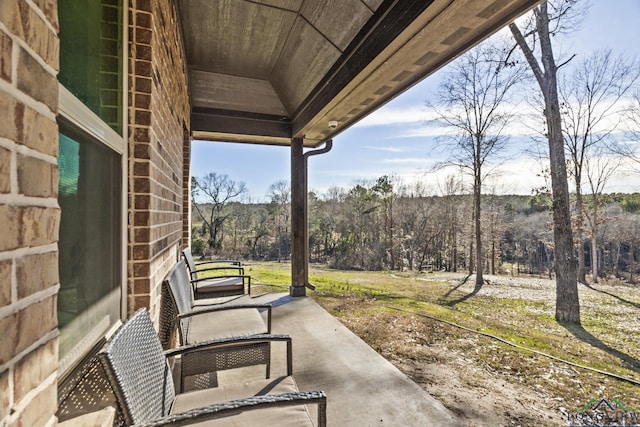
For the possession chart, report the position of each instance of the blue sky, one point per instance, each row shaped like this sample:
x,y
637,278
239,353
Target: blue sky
x,y
395,141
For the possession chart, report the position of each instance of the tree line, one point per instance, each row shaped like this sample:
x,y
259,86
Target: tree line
x,y
383,225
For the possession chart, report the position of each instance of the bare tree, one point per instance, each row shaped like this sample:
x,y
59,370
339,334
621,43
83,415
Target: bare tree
x,y
590,98
217,191
549,19
470,101
260,230
632,113
280,195
600,166
451,191
383,188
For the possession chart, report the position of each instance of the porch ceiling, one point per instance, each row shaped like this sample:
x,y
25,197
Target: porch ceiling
x,y
266,71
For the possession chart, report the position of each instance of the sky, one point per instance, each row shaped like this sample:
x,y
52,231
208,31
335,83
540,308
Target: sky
x,y
395,140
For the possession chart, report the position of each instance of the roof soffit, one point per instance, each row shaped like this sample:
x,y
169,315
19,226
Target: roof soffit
x,y
304,63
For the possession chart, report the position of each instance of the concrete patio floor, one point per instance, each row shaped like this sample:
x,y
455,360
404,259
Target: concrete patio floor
x,y
363,388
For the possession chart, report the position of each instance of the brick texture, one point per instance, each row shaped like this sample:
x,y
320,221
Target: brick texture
x,y
8,128
159,115
36,273
34,369
186,190
35,321
34,80
5,282
38,131
39,409
5,170
39,226
8,332
5,56
36,177
5,404
29,218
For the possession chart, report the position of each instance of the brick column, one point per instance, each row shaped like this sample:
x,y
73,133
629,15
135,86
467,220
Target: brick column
x,y
158,122
29,212
186,190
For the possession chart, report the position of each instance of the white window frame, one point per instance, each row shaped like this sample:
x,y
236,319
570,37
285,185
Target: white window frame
x,y
80,116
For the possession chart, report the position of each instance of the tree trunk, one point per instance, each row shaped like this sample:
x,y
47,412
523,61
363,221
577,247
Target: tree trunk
x,y
390,231
454,255
479,263
581,273
632,262
567,301
493,257
594,258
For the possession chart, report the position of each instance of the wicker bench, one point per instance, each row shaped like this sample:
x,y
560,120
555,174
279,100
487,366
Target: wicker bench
x,y
229,280
140,377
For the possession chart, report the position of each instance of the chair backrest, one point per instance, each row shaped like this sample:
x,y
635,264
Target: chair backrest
x,y
177,300
191,264
138,370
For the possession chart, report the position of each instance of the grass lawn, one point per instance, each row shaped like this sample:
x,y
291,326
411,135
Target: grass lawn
x,y
414,319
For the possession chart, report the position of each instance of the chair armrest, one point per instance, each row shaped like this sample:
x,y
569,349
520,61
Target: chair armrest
x,y
217,355
245,280
251,403
226,276
198,311
225,342
226,267
220,261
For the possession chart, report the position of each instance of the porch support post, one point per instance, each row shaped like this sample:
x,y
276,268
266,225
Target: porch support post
x,y
299,231
300,216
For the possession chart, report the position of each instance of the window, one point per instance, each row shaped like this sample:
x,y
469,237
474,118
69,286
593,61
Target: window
x,y
92,165
89,194
91,47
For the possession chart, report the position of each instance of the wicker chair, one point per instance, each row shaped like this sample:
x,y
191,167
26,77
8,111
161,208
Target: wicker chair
x,y
220,285
196,323
235,262
141,379
85,390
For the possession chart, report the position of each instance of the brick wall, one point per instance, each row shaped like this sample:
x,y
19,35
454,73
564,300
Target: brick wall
x,y
29,213
158,117
186,191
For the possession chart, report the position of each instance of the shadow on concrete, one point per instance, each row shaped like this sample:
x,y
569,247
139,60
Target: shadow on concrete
x,y
585,336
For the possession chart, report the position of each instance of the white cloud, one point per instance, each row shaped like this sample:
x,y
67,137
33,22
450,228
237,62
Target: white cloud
x,y
390,149
394,115
405,161
419,122
423,132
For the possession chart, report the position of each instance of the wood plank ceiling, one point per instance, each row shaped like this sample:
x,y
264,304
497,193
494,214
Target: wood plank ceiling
x,y
266,71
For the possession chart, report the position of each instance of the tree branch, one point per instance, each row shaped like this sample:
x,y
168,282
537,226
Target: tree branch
x,y
528,54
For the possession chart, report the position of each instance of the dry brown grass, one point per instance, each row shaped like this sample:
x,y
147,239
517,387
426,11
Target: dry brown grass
x,y
483,380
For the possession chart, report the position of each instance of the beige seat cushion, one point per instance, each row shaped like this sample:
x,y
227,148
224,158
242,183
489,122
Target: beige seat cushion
x,y
208,302
225,284
281,416
225,324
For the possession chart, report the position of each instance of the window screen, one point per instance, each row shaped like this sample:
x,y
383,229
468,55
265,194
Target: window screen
x,y
89,195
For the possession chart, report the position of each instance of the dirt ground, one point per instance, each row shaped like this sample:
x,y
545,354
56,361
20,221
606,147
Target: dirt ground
x,y
483,381
478,395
